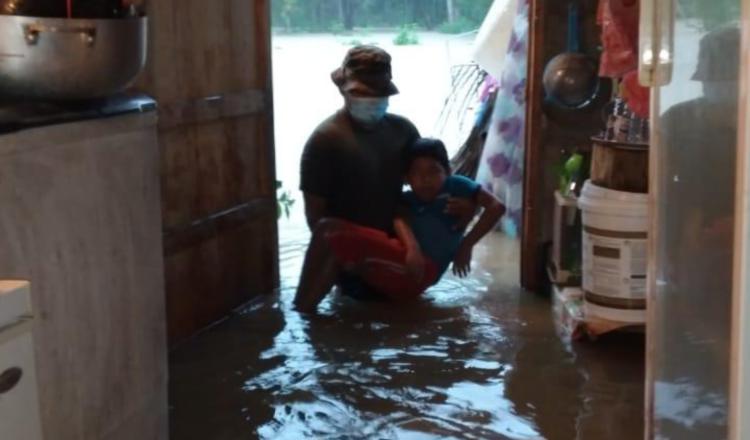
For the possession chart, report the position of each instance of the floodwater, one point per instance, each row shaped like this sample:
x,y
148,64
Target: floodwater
x,y
476,358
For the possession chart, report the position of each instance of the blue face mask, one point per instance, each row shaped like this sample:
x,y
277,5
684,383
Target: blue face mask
x,y
368,111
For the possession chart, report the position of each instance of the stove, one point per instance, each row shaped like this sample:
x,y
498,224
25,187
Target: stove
x,y
20,115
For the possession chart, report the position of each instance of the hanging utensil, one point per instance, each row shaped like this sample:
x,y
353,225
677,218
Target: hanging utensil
x,y
570,79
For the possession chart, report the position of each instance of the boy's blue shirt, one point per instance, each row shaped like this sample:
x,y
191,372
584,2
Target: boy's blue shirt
x,y
433,228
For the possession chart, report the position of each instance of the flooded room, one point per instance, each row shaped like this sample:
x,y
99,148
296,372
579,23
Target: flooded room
x,y
374,219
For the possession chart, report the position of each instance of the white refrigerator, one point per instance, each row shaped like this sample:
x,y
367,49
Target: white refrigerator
x,y
19,401
693,53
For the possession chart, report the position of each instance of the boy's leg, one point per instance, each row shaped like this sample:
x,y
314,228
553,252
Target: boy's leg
x,y
390,276
319,270
371,254
379,260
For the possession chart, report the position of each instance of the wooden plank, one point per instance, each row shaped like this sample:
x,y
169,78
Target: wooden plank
x,y
206,281
210,70
200,49
80,220
529,247
201,111
210,168
179,239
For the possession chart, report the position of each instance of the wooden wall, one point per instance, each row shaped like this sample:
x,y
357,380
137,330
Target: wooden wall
x,y
210,71
549,133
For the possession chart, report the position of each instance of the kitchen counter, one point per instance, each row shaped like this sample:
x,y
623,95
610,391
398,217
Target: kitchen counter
x,y
81,220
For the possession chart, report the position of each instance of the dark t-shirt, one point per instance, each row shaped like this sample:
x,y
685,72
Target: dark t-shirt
x,y
701,139
358,171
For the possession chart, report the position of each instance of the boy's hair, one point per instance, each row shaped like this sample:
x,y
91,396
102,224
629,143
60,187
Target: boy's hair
x,y
429,147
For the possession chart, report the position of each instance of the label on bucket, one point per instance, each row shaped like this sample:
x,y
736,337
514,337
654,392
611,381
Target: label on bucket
x,y
614,267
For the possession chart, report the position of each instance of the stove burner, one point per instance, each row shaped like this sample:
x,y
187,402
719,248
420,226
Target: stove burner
x,y
19,115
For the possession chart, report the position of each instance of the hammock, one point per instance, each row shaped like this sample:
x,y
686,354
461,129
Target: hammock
x,y
458,112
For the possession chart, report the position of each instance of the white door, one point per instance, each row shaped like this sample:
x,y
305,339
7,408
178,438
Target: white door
x,y
690,54
19,403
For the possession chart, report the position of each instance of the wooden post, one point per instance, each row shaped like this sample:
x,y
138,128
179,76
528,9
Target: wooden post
x,y
529,248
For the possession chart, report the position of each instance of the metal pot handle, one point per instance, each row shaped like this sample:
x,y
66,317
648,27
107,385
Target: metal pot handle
x,y
32,32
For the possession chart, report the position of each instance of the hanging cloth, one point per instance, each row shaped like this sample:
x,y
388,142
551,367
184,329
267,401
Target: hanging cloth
x,y
501,166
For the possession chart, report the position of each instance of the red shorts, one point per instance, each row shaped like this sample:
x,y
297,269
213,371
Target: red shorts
x,y
380,260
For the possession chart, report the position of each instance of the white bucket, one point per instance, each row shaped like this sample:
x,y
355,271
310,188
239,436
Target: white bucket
x,y
615,232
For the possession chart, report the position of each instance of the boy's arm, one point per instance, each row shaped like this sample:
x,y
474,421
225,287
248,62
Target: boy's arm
x,y
491,214
493,210
414,259
463,208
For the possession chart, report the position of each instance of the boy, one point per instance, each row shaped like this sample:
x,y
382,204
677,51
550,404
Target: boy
x,y
428,239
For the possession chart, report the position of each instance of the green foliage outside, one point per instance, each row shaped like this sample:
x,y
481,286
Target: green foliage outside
x,y
473,11
710,14
407,35
458,27
338,29
343,16
284,201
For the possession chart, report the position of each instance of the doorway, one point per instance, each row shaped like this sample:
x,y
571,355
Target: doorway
x,y
475,358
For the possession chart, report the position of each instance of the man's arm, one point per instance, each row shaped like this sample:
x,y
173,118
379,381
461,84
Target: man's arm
x,y
316,177
315,209
405,235
414,258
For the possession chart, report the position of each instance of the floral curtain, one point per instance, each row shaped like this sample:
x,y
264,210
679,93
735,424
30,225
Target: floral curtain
x,y
501,166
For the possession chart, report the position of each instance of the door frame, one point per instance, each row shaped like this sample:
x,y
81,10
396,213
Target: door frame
x,y
739,389
530,247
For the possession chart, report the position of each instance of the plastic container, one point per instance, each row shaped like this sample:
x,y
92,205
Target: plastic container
x,y
615,233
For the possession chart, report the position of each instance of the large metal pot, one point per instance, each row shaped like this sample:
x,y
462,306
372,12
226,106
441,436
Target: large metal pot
x,y
59,8
69,59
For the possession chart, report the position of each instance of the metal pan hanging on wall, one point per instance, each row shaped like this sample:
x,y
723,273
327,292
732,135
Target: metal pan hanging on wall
x,y
570,79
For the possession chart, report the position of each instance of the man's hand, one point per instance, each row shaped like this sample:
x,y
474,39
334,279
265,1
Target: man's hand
x,y
463,208
415,264
462,261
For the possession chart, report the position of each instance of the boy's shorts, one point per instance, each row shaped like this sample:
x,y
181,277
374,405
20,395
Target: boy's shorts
x,y
379,260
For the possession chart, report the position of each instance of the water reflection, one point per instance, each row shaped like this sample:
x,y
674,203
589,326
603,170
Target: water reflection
x,y
474,359
372,370
697,148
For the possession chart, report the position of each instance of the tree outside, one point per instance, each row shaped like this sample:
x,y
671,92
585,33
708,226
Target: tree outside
x,y
450,16
710,14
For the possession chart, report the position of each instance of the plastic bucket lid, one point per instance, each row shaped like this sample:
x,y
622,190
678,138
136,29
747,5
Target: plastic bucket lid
x,y
626,204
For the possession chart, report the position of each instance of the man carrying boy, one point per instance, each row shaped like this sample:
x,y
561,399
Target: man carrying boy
x,y
427,239
352,169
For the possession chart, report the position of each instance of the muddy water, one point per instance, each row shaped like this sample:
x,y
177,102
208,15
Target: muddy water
x,y
474,359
